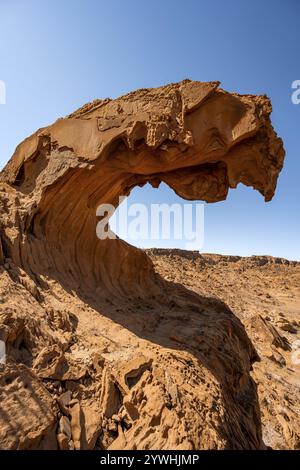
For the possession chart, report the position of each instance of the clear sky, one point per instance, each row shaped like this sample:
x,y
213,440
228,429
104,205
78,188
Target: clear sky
x,y
55,55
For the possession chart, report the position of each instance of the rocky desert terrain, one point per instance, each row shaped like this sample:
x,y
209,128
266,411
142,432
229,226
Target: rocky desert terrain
x,y
120,378
264,292
111,347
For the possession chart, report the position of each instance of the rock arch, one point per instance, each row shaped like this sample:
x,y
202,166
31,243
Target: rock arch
x,y
201,141
195,137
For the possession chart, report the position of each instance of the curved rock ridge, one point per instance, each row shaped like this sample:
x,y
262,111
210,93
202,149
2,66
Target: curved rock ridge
x,y
190,356
195,137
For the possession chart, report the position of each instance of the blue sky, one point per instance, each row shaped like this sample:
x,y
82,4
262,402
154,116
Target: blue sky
x,y
56,55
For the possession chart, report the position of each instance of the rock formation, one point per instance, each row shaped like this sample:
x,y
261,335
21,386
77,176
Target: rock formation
x,y
112,354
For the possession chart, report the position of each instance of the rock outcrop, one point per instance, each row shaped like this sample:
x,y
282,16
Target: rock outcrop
x,y
144,363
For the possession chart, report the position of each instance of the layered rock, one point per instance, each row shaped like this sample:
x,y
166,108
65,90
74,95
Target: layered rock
x,y
193,136
201,141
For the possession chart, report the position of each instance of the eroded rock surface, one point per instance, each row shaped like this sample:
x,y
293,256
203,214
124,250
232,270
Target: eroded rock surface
x,y
264,292
128,359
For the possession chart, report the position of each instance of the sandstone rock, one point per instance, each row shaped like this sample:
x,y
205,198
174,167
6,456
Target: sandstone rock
x,y
64,401
98,362
4,333
236,280
65,427
285,325
214,141
63,441
93,425
131,371
177,372
266,333
49,362
111,397
52,363
76,425
113,426
1,253
86,424
26,416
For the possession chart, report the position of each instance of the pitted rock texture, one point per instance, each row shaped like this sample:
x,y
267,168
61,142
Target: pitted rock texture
x,y
195,137
129,359
264,292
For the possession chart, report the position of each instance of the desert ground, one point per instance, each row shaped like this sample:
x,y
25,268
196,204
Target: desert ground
x,y
264,292
81,378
